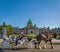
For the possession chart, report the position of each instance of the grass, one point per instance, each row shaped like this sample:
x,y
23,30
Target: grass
x,y
58,36
14,35
29,35
32,36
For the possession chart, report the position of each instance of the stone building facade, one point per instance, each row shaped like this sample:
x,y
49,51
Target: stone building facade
x,y
29,29
33,29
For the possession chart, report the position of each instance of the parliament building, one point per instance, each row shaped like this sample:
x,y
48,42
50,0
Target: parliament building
x,y
29,29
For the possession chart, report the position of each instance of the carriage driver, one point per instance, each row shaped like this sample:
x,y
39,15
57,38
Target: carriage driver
x,y
46,33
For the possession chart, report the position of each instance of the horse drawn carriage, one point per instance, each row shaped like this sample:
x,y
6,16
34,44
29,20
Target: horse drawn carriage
x,y
8,43
28,42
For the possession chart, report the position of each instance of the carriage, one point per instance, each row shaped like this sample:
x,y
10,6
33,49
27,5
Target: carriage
x,y
8,44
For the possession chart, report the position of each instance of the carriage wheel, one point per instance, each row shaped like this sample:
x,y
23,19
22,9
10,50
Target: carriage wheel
x,y
6,48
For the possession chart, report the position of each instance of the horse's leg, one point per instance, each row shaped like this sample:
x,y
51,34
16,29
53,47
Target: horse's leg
x,y
44,46
51,44
39,45
36,44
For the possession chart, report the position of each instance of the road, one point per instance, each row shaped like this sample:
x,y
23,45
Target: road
x,y
56,44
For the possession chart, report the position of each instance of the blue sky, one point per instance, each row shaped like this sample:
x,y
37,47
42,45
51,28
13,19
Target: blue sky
x,y
42,12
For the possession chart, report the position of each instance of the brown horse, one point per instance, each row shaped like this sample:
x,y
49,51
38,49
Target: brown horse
x,y
45,38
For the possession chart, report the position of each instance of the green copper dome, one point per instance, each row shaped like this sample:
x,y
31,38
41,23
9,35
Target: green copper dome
x,y
29,22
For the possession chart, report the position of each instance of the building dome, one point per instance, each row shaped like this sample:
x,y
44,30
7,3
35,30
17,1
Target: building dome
x,y
29,22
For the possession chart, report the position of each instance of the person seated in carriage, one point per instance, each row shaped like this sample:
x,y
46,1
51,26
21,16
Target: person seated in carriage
x,y
21,36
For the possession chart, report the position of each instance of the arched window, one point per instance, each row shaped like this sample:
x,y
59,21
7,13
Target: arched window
x,y
32,32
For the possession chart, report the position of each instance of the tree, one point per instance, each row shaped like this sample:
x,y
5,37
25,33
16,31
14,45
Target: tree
x,y
9,29
0,29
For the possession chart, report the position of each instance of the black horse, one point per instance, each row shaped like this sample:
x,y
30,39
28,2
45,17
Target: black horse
x,y
45,38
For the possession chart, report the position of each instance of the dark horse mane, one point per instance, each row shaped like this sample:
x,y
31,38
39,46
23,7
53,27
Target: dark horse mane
x,y
39,37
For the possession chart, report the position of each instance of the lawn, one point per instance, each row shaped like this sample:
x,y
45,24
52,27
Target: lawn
x,y
58,36
29,35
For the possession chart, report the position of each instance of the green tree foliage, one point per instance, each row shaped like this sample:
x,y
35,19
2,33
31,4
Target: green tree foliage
x,y
9,29
1,26
0,29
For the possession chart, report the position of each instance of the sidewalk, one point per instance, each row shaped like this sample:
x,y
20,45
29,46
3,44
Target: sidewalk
x,y
56,41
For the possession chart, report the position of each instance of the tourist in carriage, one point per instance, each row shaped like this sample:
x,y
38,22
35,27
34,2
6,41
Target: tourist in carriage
x,y
21,36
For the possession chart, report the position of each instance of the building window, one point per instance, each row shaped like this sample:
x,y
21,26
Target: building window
x,y
32,32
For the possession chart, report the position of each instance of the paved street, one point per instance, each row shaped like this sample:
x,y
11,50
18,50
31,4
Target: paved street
x,y
56,44
48,49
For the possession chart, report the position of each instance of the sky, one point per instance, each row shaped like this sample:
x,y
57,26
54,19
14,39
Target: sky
x,y
42,12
